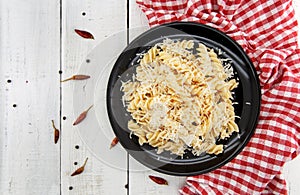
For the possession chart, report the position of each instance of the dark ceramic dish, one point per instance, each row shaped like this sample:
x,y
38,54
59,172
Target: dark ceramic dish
x,y
247,95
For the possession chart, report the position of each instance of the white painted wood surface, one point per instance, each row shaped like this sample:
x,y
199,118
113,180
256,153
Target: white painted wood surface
x,y
102,18
37,40
29,57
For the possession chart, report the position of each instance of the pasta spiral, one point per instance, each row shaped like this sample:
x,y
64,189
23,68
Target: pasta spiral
x,y
181,100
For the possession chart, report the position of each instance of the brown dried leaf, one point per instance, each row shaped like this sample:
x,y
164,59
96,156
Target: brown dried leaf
x,y
80,169
158,180
114,142
77,77
56,132
56,136
84,34
82,116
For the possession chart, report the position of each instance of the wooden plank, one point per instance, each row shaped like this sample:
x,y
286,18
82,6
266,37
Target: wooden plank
x,y
106,170
139,182
292,176
29,58
29,96
137,20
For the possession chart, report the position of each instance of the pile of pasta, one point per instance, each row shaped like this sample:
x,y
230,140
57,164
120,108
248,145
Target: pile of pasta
x,y
180,98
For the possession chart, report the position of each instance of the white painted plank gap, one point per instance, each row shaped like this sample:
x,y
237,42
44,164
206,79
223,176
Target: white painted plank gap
x,y
29,54
102,19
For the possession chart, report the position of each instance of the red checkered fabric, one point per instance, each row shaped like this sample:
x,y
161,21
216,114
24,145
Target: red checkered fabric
x,y
267,30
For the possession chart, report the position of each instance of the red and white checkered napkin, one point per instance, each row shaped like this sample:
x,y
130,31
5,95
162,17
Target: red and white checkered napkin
x,y
267,30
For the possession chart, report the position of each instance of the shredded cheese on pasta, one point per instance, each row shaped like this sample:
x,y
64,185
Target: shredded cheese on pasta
x,y
180,100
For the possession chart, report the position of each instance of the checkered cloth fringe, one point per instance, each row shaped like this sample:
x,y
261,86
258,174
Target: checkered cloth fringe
x,y
267,30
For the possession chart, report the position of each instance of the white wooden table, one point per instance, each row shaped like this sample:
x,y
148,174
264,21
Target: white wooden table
x,y
38,49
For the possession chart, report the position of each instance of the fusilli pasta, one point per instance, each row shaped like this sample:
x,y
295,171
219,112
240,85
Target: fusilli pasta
x,y
181,100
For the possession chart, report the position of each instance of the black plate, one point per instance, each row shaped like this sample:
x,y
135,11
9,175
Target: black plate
x,y
247,95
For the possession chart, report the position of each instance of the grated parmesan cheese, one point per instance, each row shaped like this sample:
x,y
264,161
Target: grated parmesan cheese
x,y
180,99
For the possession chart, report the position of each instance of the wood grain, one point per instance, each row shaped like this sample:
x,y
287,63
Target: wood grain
x,y
138,173
101,18
30,161
33,39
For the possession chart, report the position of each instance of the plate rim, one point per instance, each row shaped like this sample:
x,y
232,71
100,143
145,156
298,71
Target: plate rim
x,y
243,144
